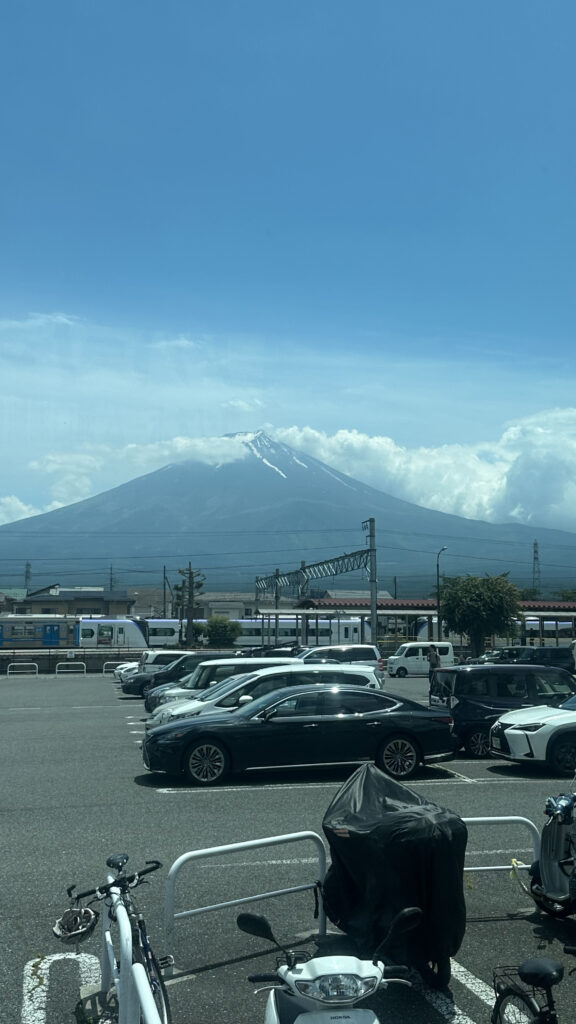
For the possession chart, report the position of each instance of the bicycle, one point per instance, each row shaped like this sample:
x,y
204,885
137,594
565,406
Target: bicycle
x,y
524,993
79,921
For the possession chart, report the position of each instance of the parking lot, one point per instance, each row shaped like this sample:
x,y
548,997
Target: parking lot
x,y
75,791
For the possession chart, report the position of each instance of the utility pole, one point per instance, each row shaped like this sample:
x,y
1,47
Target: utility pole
x,y
370,525
190,605
536,582
276,603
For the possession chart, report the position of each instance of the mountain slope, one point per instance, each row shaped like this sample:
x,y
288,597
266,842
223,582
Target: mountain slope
x,y
271,508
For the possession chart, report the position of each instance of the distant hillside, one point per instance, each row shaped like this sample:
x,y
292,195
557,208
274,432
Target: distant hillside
x,y
273,508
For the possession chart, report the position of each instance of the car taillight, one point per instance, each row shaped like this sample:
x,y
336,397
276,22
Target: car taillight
x,y
380,665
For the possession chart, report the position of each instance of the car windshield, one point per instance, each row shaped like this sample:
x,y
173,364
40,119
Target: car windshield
x,y
401,650
569,705
257,705
224,687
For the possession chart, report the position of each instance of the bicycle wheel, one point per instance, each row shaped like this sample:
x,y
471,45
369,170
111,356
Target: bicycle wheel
x,y
514,1006
157,985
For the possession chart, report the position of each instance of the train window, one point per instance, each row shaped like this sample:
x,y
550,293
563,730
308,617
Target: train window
x,y
86,633
105,634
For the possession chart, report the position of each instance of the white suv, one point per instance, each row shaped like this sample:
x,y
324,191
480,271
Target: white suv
x,y
346,654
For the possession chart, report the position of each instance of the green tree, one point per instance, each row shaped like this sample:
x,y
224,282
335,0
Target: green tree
x,y
566,595
221,631
480,606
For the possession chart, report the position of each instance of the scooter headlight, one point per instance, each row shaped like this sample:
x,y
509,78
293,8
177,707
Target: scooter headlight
x,y
337,988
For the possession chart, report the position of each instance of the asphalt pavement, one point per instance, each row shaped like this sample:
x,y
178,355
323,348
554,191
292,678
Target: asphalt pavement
x,y
75,790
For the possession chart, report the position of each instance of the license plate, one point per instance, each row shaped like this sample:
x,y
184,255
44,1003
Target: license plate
x,y
496,743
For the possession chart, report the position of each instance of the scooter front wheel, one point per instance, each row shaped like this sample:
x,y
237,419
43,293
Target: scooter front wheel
x,y
550,906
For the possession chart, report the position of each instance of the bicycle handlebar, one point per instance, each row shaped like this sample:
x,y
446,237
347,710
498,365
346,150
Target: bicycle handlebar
x,y
123,882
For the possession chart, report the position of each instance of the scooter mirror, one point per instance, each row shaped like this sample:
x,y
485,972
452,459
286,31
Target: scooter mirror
x,y
255,924
405,921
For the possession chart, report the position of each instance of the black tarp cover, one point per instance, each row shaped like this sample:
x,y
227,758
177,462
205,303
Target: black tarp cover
x,y
391,849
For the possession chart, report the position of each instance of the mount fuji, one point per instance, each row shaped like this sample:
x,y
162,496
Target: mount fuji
x,y
264,506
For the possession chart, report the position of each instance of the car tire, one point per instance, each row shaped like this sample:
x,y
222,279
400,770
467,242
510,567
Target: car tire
x,y
401,673
206,763
477,742
399,757
562,754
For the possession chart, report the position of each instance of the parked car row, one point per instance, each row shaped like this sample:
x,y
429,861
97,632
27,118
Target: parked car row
x,y
323,707
213,716
559,657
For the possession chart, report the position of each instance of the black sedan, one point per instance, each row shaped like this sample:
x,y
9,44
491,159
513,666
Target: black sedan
x,y
303,726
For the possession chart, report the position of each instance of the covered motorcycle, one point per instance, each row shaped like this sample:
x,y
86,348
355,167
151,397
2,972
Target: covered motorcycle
x,y
392,849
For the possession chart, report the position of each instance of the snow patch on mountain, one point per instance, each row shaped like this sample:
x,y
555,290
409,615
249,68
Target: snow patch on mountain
x,y
253,448
339,479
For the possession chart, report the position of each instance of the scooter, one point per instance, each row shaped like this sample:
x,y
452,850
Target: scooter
x,y
553,875
313,989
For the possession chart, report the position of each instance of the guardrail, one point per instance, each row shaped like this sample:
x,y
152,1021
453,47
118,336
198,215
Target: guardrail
x,y
109,666
170,916
507,820
70,668
22,668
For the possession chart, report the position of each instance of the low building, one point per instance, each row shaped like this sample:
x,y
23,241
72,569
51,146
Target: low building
x,y
57,600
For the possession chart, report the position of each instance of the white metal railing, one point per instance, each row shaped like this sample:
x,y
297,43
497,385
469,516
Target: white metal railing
x,y
170,916
70,668
109,666
16,668
130,980
506,820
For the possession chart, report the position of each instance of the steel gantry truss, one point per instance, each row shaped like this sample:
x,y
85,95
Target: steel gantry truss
x,y
298,579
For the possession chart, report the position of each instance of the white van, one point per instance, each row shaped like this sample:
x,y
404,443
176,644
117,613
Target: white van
x,y
412,659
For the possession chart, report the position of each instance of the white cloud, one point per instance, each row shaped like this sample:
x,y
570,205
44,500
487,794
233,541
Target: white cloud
x,y
11,509
243,404
135,400
183,343
528,475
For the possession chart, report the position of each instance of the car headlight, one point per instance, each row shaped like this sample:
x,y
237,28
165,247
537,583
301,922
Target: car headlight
x,y
337,988
529,728
185,714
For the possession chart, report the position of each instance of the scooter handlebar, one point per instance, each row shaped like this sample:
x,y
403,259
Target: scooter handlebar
x,y
395,971
570,949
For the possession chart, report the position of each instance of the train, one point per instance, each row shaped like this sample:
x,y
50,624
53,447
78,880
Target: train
x,y
23,632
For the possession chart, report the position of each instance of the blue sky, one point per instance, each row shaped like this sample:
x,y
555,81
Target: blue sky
x,y
351,225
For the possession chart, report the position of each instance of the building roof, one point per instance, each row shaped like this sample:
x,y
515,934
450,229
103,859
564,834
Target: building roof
x,y
76,595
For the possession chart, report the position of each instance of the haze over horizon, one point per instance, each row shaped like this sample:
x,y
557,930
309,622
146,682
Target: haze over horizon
x,y
353,228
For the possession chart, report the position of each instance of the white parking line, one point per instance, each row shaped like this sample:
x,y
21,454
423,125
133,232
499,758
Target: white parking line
x,y
442,1003
480,989
37,978
264,788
